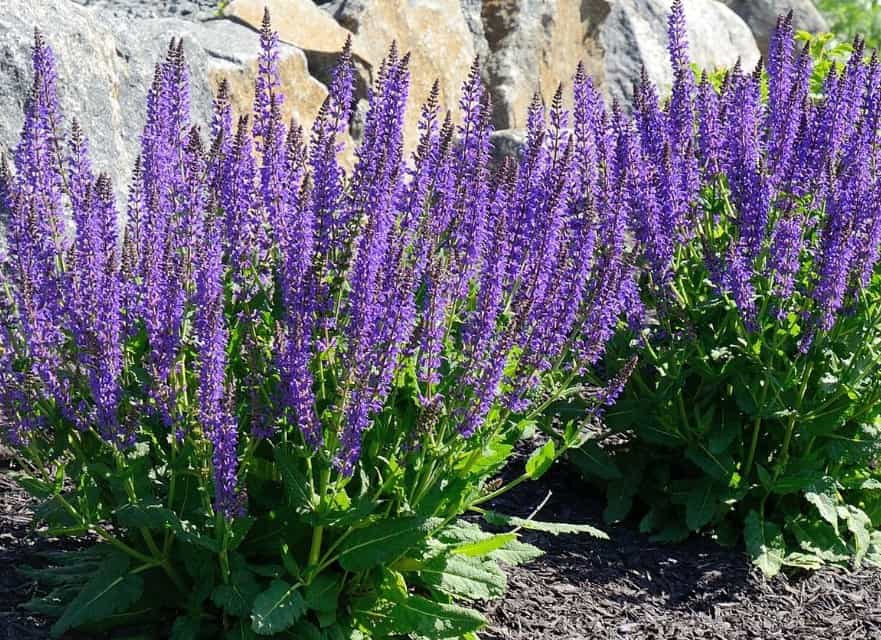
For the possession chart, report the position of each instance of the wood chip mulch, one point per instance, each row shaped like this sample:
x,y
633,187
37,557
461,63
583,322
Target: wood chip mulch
x,y
627,588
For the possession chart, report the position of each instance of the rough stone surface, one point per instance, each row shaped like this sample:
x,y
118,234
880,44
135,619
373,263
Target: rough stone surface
x,y
761,16
634,36
435,32
108,94
299,22
190,9
532,46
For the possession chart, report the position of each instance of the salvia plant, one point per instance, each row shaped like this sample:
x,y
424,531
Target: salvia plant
x,y
269,388
755,209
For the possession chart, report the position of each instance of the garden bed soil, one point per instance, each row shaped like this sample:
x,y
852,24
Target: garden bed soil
x,y
625,588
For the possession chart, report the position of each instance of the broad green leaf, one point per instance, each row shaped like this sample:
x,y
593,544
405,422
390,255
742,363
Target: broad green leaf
x,y
860,526
513,553
428,619
295,483
817,537
619,500
541,460
237,597
464,577
592,461
486,546
382,542
822,495
110,590
700,506
555,528
322,594
764,543
516,552
277,608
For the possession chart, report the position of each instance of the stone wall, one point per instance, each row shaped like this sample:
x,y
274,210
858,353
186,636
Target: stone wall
x,y
106,51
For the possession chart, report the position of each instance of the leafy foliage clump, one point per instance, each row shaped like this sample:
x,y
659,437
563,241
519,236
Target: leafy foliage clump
x,y
753,412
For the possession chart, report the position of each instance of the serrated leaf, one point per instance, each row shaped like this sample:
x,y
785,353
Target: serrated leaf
x,y
764,543
700,506
381,542
516,552
464,577
428,619
277,608
486,546
110,590
238,597
541,460
555,528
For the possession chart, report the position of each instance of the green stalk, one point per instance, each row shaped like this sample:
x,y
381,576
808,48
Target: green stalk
x,y
318,532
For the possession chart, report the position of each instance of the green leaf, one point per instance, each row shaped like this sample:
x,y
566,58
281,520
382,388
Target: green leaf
x,y
619,500
428,619
241,631
237,598
764,543
700,506
860,526
555,528
277,608
185,628
818,538
822,495
513,553
382,542
296,485
541,460
592,461
464,577
516,552
486,546
110,590
322,594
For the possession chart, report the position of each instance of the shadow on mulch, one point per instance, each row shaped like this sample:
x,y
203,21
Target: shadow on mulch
x,y
631,588
582,588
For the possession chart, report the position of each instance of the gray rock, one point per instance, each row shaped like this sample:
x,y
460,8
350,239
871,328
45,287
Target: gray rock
x,y
634,36
531,46
761,16
507,143
105,66
189,9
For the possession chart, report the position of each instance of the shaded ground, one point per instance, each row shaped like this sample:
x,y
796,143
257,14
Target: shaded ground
x,y
626,588
631,588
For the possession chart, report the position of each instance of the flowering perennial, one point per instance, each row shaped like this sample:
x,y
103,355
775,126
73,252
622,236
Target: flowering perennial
x,y
261,322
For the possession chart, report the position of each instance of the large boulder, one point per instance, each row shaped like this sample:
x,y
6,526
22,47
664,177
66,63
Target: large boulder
x,y
105,67
532,46
761,16
434,32
634,36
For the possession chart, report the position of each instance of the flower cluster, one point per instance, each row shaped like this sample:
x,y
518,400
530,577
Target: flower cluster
x,y
798,177
253,271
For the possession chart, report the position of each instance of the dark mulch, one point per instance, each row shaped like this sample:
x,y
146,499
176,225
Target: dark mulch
x,y
631,588
583,588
